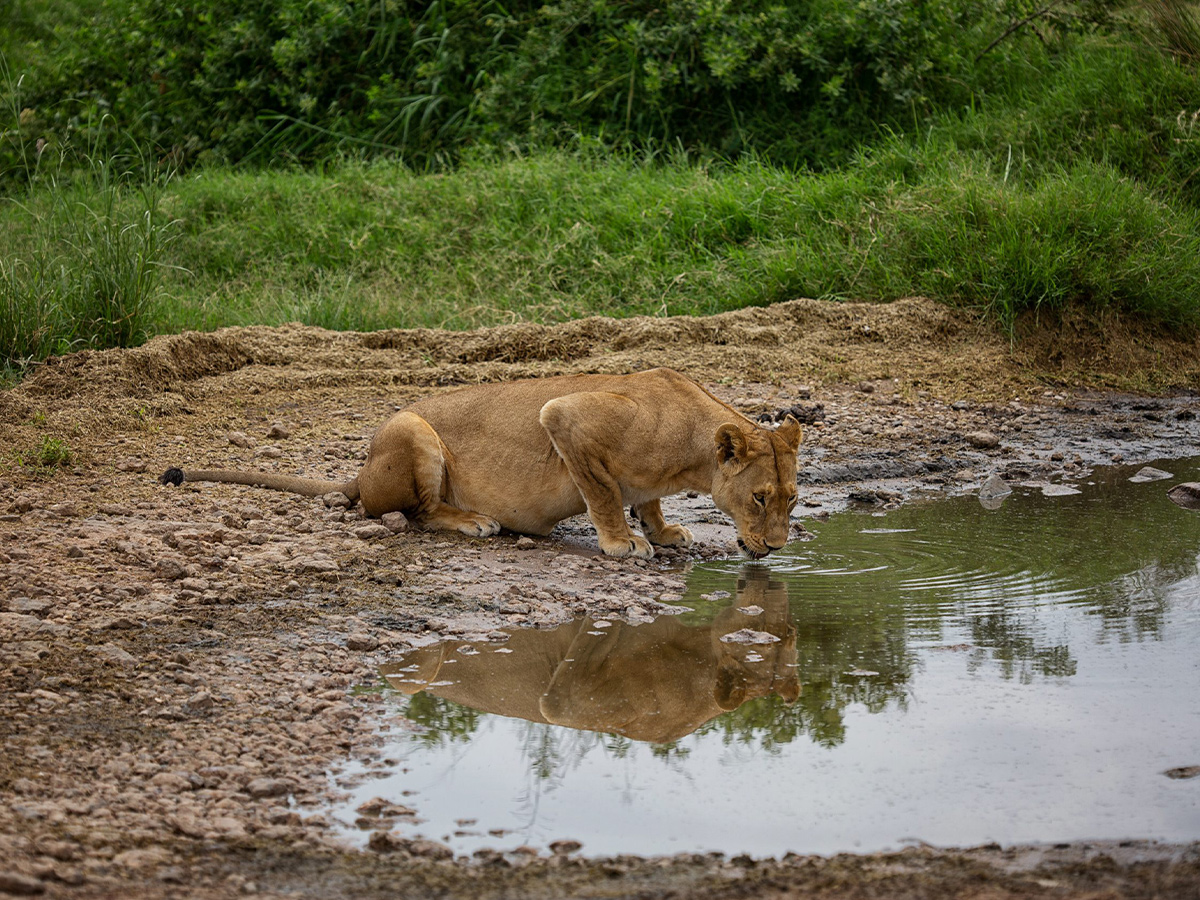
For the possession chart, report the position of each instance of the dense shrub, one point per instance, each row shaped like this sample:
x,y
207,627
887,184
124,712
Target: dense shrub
x,y
256,80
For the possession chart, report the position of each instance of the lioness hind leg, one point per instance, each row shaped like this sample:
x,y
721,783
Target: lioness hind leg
x,y
649,516
406,471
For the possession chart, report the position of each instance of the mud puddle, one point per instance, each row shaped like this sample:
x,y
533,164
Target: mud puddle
x,y
941,673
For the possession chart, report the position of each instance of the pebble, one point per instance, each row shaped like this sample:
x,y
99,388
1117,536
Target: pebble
x,y
748,636
20,885
1186,495
984,440
240,439
362,642
371,531
169,569
526,543
278,431
114,655
994,488
564,847
395,522
1149,473
269,787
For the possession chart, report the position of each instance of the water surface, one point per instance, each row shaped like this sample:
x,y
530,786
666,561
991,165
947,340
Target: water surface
x,y
942,673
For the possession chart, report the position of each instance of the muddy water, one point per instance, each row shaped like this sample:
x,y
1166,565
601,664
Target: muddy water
x,y
940,672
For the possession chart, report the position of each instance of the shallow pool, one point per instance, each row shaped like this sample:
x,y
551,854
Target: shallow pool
x,y
941,673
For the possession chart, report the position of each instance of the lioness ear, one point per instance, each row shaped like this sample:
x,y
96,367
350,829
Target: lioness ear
x,y
791,432
731,444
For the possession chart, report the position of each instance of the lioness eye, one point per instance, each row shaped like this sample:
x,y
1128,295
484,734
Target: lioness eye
x,y
760,499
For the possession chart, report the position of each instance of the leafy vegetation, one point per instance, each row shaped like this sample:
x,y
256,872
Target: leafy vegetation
x,y
800,83
459,163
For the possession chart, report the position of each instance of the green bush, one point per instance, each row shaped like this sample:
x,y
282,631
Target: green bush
x,y
244,80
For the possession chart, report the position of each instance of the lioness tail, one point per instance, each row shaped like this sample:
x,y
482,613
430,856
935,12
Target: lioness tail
x,y
295,484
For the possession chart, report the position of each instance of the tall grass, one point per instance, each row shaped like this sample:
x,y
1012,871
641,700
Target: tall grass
x,y
80,256
560,235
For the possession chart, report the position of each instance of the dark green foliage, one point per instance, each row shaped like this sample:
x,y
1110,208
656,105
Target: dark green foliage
x,y
253,80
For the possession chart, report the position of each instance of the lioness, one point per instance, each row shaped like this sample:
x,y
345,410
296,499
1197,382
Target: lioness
x,y
526,454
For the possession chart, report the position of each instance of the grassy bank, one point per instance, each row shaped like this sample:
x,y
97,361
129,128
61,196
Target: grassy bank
x,y
561,235
1079,186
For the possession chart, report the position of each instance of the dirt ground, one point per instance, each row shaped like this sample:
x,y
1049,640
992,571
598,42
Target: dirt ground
x,y
178,666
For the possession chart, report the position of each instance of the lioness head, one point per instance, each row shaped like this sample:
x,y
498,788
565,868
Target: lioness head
x,y
755,484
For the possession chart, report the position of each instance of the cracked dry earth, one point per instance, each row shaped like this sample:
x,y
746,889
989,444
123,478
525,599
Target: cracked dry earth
x,y
183,669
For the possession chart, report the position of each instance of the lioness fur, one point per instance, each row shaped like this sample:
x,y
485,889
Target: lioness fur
x,y
524,455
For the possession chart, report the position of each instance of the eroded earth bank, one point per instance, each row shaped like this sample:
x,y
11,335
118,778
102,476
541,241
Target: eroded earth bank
x,y
182,668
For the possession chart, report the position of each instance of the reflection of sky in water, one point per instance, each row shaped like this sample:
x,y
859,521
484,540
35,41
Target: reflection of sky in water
x,y
1036,671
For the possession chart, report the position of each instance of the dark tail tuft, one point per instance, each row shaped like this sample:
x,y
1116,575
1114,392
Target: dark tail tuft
x,y
171,476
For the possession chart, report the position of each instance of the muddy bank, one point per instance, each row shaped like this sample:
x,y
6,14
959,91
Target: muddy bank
x,y
182,668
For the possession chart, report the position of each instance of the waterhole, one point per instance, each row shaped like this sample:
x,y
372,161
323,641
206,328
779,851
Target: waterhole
x,y
941,673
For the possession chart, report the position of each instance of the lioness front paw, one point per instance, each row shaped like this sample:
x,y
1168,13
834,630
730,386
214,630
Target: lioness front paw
x,y
479,526
672,536
627,546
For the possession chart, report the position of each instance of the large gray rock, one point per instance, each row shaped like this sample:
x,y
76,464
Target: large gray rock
x,y
1186,495
1149,473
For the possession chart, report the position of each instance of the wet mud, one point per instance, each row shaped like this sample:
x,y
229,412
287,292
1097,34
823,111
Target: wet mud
x,y
183,668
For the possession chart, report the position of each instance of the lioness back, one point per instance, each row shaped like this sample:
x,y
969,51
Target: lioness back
x,y
501,459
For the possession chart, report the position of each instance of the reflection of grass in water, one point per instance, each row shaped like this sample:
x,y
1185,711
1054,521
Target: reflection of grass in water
x,y
442,721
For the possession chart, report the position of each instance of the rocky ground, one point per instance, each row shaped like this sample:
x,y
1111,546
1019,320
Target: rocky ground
x,y
181,668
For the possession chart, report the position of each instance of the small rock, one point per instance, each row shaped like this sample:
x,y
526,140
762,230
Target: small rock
x,y
394,522
269,452
176,782
748,636
169,569
564,847
314,563
984,440
1149,473
240,439
336,500
142,857
1186,495
278,431
361,641
960,405
430,850
114,655
386,842
20,885
75,552
269,787
994,488
866,387
199,702
1183,772
526,543
371,531
1059,490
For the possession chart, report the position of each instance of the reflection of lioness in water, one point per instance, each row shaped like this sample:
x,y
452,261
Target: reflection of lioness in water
x,y
527,454
655,682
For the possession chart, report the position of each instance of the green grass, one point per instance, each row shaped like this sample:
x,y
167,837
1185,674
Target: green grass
x,y
1081,188
561,235
82,267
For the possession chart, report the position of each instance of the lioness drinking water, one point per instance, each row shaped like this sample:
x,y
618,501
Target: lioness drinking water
x,y
525,455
